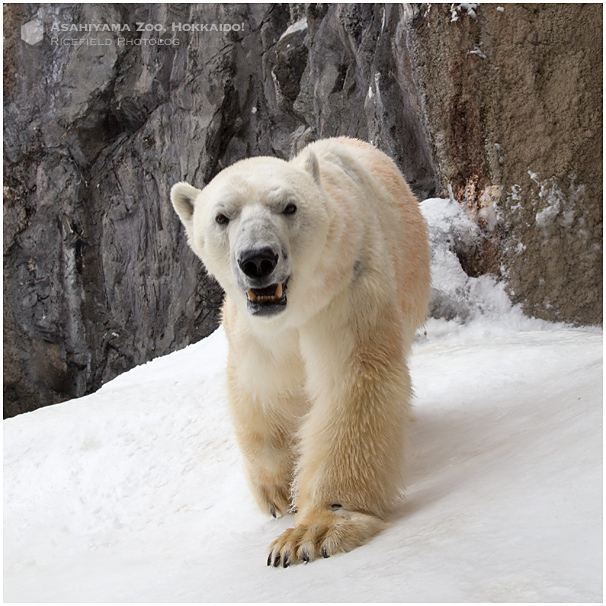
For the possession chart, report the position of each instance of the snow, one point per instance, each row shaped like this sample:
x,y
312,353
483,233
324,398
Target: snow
x,y
555,202
469,8
477,51
298,26
136,493
455,295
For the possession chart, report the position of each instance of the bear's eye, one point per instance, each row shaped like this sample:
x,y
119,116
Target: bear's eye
x,y
221,219
290,209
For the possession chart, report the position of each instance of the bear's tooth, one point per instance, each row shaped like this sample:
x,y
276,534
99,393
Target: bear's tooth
x,y
252,296
278,293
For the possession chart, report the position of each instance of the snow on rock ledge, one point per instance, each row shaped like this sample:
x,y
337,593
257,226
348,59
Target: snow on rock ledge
x,y
455,295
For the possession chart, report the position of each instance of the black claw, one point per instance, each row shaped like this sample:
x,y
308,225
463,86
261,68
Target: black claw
x,y
277,561
273,512
269,560
325,553
305,558
286,563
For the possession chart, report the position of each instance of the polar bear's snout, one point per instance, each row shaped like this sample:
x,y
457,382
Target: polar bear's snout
x,y
263,275
260,260
258,263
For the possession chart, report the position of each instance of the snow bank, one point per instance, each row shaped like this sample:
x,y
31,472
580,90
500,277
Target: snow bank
x,y
455,295
136,493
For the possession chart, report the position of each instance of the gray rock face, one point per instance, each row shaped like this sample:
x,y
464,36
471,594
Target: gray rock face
x,y
97,273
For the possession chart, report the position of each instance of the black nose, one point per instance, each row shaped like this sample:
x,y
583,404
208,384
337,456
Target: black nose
x,y
258,262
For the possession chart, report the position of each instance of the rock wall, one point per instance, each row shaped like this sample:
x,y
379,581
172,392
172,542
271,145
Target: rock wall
x,y
97,275
512,98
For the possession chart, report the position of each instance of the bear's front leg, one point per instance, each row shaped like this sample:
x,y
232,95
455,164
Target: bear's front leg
x,y
265,415
349,474
265,439
268,465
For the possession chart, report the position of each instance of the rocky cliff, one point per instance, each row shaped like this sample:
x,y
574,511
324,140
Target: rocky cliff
x,y
515,120
501,108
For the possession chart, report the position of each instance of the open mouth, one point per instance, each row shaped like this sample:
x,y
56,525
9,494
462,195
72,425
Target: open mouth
x,y
267,301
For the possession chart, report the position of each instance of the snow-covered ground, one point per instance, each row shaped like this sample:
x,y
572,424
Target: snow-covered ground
x,y
136,494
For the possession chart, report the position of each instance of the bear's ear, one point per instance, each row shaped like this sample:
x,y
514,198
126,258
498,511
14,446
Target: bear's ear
x,y
311,165
183,197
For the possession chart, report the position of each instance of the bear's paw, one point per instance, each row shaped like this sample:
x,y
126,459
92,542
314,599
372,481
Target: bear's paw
x,y
273,498
323,533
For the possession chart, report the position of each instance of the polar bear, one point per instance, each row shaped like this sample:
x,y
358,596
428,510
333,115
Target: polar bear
x,y
324,262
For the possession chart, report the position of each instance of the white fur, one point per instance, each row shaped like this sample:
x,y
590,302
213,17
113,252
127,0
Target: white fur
x,y
320,392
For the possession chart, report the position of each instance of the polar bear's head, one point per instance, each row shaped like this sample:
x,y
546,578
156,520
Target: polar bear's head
x,y
260,227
